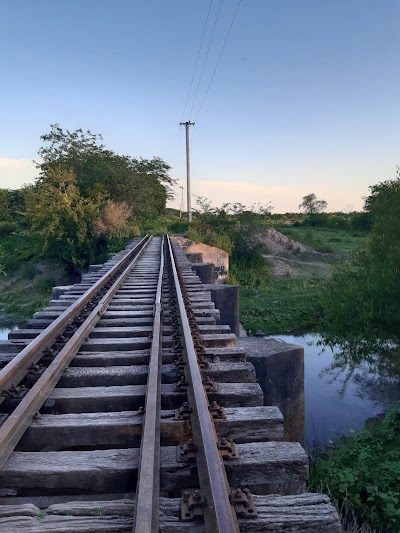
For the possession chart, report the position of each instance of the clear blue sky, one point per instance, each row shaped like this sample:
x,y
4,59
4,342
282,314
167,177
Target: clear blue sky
x,y
305,98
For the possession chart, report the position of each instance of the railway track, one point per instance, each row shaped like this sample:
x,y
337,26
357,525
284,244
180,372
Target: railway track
x,y
126,407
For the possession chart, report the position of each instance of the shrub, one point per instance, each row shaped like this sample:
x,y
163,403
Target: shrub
x,y
179,227
45,283
7,227
364,470
28,271
114,221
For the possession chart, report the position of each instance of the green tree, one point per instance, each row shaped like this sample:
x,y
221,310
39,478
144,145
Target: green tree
x,y
363,298
12,203
144,184
5,208
61,221
311,205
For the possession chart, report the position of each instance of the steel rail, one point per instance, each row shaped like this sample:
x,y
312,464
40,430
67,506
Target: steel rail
x,y
146,517
16,369
219,515
16,424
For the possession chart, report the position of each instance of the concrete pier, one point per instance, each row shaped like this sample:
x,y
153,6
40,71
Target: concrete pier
x,y
205,271
280,372
226,299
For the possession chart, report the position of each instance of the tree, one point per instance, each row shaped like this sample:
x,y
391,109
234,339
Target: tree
x,y
312,206
61,221
363,298
12,203
144,184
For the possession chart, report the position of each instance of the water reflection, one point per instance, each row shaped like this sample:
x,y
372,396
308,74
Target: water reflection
x,y
340,394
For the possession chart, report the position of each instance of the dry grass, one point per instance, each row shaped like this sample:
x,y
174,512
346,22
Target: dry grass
x,y
114,220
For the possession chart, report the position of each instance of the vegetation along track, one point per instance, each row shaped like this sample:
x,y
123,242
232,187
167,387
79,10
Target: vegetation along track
x,y
126,407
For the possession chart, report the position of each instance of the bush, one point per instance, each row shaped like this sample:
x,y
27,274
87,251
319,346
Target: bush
x,y
28,271
114,220
369,283
361,221
7,227
179,227
364,470
46,283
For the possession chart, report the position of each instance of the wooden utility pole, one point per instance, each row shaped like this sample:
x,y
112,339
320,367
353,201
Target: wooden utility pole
x,y
187,125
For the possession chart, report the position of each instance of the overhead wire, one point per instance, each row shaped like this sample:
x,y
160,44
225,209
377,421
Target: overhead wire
x,y
197,60
205,60
219,59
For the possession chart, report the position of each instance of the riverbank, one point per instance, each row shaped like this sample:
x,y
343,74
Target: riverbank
x,y
26,286
361,473
27,289
301,260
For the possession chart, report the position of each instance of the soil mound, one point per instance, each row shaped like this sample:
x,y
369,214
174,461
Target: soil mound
x,y
279,244
293,259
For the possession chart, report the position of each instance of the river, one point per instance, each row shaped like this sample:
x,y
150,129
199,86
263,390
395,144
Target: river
x,y
338,401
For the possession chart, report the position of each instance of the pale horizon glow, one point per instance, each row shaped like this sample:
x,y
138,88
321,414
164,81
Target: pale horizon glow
x,y
305,98
15,173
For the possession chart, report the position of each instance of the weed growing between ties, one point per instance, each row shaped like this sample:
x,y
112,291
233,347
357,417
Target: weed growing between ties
x,y
362,474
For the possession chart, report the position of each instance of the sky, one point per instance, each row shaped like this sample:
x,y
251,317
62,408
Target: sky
x,y
305,97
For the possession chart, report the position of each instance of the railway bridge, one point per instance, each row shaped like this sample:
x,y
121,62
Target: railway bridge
x,y
125,406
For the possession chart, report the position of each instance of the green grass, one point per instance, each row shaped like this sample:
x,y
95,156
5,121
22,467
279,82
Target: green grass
x,y
290,303
26,288
20,300
362,473
326,240
284,306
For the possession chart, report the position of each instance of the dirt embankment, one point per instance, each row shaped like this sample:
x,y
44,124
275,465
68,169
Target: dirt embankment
x,y
293,259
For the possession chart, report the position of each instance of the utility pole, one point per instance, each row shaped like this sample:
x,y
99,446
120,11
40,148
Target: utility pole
x,y
187,125
181,205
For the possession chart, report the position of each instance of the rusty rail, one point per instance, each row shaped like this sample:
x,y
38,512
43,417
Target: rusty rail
x,y
219,514
146,519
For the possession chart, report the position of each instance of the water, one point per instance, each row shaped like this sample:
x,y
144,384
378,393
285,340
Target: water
x,y
339,400
5,331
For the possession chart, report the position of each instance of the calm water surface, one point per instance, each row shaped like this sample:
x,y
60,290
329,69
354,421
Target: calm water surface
x,y
338,401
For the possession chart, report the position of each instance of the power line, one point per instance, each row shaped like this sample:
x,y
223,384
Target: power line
x,y
197,60
205,60
219,59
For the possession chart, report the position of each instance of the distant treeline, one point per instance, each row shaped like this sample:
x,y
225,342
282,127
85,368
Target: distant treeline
x,y
355,220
